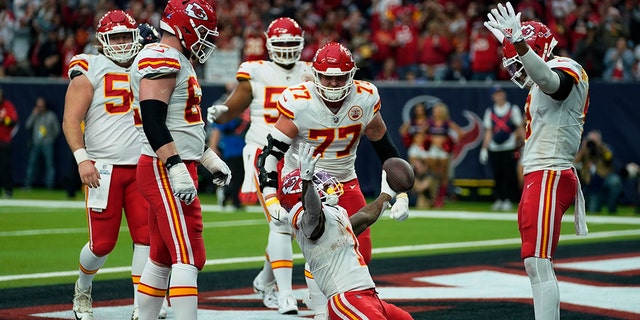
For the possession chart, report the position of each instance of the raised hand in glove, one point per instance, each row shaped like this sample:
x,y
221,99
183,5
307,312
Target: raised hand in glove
x,y
182,184
216,111
484,156
400,209
507,21
307,161
215,165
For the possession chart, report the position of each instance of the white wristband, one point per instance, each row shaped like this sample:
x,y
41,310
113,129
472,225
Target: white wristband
x,y
81,155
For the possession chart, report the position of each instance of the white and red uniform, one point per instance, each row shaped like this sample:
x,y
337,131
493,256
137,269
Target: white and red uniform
x,y
553,131
340,270
111,139
176,229
334,136
267,80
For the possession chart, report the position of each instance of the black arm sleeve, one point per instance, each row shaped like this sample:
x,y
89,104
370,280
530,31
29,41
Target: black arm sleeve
x,y
566,84
385,148
154,116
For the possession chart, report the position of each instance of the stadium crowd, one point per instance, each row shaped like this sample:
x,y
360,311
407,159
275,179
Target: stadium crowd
x,y
430,40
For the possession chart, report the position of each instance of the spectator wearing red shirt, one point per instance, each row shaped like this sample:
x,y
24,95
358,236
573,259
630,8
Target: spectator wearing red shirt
x,y
8,121
434,50
405,34
485,54
254,43
383,43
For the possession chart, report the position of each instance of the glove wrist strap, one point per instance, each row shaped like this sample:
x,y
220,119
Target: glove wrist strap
x,y
172,161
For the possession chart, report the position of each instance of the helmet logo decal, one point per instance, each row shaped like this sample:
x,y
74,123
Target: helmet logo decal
x,y
528,31
355,113
195,11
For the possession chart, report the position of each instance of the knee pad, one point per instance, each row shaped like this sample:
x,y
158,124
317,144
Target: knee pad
x,y
284,228
539,270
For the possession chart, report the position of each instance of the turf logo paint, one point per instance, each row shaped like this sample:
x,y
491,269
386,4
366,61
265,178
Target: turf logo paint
x,y
591,287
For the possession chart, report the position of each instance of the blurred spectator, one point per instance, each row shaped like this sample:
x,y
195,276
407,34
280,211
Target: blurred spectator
x,y
600,182
254,43
227,140
383,44
418,122
49,56
589,52
388,72
8,122
45,128
425,185
434,48
504,135
485,54
405,35
618,62
440,143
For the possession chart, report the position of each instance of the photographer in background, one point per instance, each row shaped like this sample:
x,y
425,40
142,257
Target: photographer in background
x,y
600,182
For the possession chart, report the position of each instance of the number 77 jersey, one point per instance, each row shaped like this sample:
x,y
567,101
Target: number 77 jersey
x,y
334,135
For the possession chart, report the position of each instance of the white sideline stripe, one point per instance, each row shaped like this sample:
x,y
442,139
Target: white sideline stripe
x,y
423,247
19,233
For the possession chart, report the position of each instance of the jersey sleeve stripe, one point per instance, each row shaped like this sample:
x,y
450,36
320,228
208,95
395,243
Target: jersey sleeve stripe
x,y
289,114
243,76
84,64
296,215
376,108
573,74
157,63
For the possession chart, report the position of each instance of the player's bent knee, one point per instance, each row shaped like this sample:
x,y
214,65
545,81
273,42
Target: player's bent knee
x,y
102,248
539,270
284,228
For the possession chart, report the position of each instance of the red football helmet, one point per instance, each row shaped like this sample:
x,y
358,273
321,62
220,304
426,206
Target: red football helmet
x,y
334,60
118,22
539,37
290,192
285,41
194,23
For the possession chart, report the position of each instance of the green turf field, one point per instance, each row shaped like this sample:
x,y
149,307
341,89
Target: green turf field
x,y
41,241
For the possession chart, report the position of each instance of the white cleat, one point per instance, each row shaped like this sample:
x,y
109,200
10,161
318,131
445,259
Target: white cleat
x,y
497,206
268,293
164,310
288,305
135,314
507,205
82,309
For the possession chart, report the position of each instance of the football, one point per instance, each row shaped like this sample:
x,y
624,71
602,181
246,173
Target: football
x,y
400,175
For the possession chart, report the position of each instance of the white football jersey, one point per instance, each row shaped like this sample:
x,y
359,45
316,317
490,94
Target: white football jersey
x,y
109,134
334,259
334,136
268,80
184,118
554,128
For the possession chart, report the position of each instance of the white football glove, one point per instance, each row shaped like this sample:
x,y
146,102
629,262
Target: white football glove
x,y
215,165
496,33
276,211
307,161
400,209
384,187
182,184
484,156
507,21
215,111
